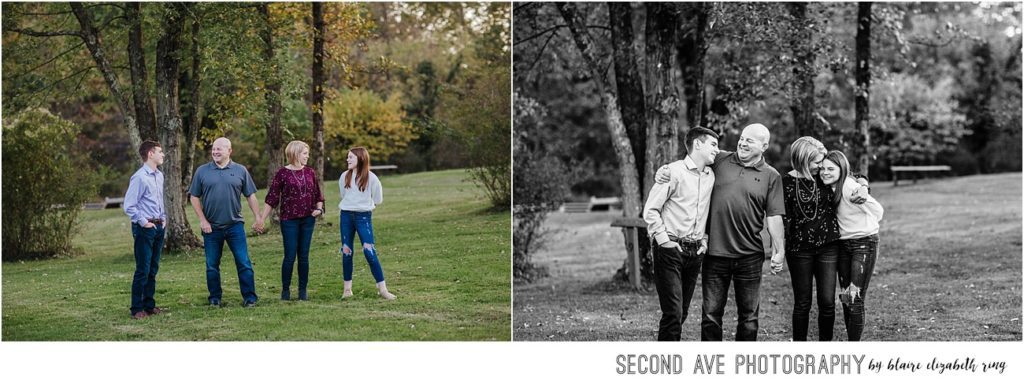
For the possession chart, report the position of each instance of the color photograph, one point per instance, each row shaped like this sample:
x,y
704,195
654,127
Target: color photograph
x,y
217,171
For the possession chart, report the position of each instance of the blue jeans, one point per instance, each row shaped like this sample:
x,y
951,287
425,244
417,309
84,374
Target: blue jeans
x,y
675,276
856,264
817,265
745,273
148,243
213,244
361,222
296,234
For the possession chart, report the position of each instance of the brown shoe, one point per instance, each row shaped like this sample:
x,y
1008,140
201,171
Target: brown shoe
x,y
139,315
155,311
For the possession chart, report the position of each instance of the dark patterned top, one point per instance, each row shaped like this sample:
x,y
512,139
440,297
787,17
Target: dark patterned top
x,y
296,191
810,213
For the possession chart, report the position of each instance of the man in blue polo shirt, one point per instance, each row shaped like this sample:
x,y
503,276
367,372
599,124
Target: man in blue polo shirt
x,y
746,198
144,204
216,187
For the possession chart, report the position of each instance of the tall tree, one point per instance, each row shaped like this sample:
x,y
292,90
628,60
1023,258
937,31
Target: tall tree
x,y
194,109
318,88
802,102
628,82
629,178
660,91
179,233
91,35
137,64
693,46
862,74
275,139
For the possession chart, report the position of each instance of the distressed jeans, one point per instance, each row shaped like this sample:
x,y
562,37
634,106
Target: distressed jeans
x,y
359,222
856,264
716,275
810,269
675,276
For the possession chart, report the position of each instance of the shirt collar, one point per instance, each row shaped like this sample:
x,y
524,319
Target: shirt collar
x,y
688,162
759,166
155,171
214,164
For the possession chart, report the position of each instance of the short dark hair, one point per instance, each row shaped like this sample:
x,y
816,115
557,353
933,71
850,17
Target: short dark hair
x,y
698,133
147,146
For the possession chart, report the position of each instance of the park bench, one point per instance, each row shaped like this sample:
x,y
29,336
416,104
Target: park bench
x,y
108,202
630,226
594,204
915,170
383,167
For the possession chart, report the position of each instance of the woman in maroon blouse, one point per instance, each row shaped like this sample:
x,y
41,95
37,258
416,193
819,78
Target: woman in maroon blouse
x,y
295,191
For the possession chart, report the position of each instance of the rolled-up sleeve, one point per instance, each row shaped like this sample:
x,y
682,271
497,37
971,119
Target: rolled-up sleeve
x,y
652,210
131,200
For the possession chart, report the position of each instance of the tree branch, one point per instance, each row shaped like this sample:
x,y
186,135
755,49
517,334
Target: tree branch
x,y
34,33
539,34
79,45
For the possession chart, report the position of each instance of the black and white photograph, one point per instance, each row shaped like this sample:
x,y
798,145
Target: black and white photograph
x,y
767,171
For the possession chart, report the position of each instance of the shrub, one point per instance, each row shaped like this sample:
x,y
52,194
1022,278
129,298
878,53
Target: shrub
x,y
43,183
362,118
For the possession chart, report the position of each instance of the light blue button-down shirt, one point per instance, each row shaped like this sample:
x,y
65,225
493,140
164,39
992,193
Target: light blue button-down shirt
x,y
145,197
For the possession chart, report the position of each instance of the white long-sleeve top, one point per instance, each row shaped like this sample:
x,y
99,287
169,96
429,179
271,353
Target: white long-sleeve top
x,y
352,199
857,220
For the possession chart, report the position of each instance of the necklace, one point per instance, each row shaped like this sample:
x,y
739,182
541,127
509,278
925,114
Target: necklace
x,y
301,181
812,196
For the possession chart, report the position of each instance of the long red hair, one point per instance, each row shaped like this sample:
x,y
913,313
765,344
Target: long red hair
x,y
362,168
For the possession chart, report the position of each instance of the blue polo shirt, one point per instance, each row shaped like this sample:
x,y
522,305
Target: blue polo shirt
x,y
742,198
219,190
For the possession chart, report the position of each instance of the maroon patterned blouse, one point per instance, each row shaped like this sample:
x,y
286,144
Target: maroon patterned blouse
x,y
296,191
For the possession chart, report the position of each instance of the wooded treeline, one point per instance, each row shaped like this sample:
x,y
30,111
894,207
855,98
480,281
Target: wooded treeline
x,y
412,82
613,87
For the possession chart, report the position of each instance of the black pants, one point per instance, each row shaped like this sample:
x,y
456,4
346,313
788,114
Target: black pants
x,y
814,271
675,276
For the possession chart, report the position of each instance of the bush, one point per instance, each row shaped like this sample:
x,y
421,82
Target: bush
x,y
361,118
477,111
43,183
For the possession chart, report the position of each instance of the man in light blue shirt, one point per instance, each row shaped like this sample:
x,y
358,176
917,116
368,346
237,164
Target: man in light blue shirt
x,y
144,204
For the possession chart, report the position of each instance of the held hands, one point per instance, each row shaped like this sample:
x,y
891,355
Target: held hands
x,y
258,226
778,257
703,247
205,226
663,175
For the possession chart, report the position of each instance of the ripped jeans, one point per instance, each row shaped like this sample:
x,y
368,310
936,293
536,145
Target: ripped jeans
x,y
856,264
361,222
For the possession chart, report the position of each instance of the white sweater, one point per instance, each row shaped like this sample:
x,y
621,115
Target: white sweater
x,y
352,199
856,221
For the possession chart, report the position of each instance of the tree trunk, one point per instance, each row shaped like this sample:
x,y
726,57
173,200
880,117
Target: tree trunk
x,y
275,139
179,234
692,50
862,116
91,37
318,88
661,95
802,102
194,113
628,82
620,140
140,82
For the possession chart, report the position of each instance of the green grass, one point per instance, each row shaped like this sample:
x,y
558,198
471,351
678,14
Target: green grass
x,y
949,269
444,253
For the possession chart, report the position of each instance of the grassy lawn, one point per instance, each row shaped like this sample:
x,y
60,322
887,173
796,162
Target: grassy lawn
x,y
444,254
949,269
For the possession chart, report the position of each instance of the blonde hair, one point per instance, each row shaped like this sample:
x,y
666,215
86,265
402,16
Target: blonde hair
x,y
802,151
294,149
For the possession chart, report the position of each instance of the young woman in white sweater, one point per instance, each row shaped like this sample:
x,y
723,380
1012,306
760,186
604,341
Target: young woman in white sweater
x,y
858,240
360,194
